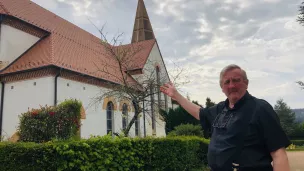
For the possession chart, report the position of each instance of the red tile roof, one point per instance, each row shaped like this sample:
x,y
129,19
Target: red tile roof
x,y
67,46
2,9
137,53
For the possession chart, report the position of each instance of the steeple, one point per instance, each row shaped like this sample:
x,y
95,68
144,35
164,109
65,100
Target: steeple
x,y
142,26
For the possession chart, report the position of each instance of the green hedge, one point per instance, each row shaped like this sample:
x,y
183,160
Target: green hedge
x,y
49,122
187,130
106,153
298,142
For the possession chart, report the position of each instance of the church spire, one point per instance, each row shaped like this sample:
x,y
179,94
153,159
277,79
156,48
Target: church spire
x,y
142,26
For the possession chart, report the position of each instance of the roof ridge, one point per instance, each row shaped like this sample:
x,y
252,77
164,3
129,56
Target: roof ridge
x,y
4,9
135,43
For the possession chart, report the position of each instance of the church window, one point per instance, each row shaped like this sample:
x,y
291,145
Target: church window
x,y
136,126
110,117
124,116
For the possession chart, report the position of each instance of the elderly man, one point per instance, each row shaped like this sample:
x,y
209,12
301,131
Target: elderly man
x,y
245,131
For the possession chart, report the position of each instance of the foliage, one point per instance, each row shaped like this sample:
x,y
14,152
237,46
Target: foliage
x,y
286,115
106,153
49,122
177,117
187,130
209,103
296,148
291,147
298,131
300,18
298,142
196,102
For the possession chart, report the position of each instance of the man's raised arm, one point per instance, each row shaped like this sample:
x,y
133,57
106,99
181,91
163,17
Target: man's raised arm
x,y
190,107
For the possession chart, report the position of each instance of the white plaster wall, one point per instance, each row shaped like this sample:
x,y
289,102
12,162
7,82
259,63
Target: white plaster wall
x,y
22,95
14,42
95,122
153,59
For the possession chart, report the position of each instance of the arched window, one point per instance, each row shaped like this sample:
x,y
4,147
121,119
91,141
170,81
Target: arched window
x,y
136,126
124,116
110,117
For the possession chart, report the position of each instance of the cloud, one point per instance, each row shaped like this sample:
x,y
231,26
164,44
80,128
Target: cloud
x,y
171,7
261,36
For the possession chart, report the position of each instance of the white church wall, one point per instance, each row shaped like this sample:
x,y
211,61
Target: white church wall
x,y
95,122
27,94
13,43
154,60
148,121
22,95
155,56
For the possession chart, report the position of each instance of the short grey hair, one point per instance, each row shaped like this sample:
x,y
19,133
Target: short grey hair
x,y
231,67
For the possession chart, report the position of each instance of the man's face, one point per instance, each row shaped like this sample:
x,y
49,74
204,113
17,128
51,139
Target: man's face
x,y
233,85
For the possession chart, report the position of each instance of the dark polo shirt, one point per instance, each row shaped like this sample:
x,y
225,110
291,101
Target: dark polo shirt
x,y
252,117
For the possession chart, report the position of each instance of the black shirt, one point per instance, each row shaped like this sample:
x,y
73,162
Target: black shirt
x,y
251,118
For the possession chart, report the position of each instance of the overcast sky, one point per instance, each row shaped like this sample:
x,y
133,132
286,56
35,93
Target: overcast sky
x,y
203,36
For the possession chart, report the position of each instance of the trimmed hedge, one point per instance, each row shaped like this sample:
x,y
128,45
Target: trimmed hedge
x,y
106,153
49,122
187,130
298,142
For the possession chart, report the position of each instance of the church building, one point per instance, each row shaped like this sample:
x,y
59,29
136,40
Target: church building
x,y
45,59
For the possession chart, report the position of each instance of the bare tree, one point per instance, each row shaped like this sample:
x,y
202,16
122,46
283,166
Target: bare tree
x,y
300,19
137,85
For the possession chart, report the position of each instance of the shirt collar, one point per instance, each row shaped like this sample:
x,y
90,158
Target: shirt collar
x,y
239,103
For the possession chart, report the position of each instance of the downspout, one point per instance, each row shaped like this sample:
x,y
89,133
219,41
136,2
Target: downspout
x,y
144,118
2,91
55,93
1,108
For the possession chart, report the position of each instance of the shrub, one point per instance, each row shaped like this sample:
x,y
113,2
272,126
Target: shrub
x,y
187,130
46,123
298,142
291,147
106,153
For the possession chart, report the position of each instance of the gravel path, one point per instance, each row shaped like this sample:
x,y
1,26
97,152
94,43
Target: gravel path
x,y
296,160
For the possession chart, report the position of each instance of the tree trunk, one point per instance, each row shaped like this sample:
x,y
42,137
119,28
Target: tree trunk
x,y
136,108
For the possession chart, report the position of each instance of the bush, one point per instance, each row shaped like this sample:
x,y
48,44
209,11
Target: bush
x,y
187,130
106,153
298,142
46,123
178,116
